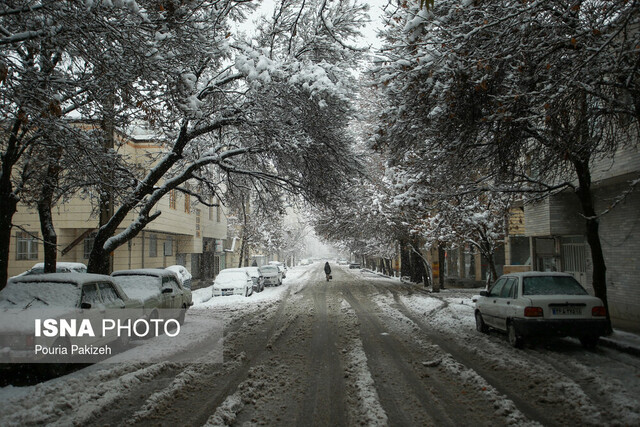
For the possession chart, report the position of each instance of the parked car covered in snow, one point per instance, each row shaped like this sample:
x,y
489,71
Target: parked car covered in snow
x,y
159,290
54,297
354,265
281,266
272,275
233,281
183,274
257,277
538,304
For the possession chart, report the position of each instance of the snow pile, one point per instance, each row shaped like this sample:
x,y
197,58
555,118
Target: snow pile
x,y
226,413
503,407
75,399
370,410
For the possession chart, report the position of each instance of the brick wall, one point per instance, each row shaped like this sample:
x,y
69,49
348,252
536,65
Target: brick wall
x,y
620,237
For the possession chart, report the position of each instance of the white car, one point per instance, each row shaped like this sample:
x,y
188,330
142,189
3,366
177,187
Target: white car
x,y
58,298
257,277
281,266
233,281
159,290
183,274
272,275
537,304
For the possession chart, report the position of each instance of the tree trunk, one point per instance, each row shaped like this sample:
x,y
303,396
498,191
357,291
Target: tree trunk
x,y
242,249
45,202
8,200
8,207
441,261
592,233
49,236
99,262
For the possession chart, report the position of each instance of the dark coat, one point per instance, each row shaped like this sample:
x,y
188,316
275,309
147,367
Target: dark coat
x,y
327,269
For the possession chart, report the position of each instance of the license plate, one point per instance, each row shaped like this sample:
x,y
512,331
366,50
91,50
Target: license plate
x,y
567,311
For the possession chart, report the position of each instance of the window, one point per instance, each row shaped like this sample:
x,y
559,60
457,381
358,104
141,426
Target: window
x,y
187,203
26,246
108,293
172,199
153,246
506,290
211,209
197,222
218,212
168,246
90,294
552,285
88,244
495,290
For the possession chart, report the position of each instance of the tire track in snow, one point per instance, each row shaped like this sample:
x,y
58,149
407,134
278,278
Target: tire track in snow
x,y
387,354
324,398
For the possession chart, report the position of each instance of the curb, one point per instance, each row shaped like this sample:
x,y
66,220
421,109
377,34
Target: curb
x,y
607,342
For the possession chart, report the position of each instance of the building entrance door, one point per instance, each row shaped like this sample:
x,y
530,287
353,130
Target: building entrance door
x,y
574,258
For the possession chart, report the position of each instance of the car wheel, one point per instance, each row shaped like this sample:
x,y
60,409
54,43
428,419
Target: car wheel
x,y
589,342
480,325
154,315
515,340
123,341
182,315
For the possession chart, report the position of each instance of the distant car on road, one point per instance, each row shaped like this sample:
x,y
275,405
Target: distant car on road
x,y
233,281
272,275
354,265
343,261
159,290
541,304
183,274
257,277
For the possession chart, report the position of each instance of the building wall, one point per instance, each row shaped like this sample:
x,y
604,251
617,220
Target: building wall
x,y
537,218
620,237
179,221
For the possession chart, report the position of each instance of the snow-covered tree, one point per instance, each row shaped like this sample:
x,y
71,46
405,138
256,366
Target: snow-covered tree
x,y
270,110
56,60
522,96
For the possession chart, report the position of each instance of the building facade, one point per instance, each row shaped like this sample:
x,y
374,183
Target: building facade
x,y
556,232
186,232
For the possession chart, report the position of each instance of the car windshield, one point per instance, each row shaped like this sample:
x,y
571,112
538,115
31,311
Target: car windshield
x,y
139,287
39,294
552,285
269,269
253,271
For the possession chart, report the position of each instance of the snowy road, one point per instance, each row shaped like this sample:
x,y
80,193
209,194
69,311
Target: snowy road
x,y
359,350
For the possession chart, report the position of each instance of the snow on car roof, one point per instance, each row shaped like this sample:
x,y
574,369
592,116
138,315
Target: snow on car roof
x,y
158,272
538,273
77,279
232,269
63,264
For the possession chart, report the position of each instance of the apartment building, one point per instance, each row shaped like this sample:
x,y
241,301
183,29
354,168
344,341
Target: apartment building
x,y
186,233
555,229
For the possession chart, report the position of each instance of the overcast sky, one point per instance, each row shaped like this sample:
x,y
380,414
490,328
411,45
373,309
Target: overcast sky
x,y
369,32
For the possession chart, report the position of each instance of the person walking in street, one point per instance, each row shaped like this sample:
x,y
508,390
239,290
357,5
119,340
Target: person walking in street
x,y
327,270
